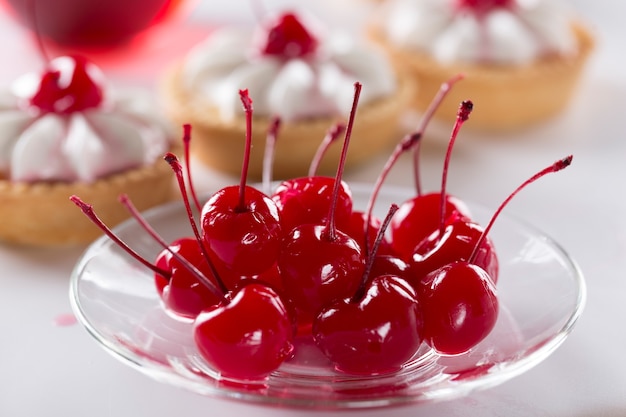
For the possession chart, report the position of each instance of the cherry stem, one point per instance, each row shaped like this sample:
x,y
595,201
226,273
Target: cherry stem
x,y
462,115
555,167
128,204
246,101
187,147
405,144
331,136
270,152
172,159
426,118
330,231
91,215
410,141
372,255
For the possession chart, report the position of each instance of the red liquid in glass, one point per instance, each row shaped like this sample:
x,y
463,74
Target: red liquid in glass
x,y
91,23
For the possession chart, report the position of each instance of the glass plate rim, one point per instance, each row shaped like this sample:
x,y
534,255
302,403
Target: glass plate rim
x,y
484,381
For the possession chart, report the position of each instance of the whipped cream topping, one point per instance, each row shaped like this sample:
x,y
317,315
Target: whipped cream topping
x,y
316,85
517,33
120,134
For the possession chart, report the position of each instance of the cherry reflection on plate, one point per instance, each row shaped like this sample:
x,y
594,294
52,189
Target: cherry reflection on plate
x,y
91,24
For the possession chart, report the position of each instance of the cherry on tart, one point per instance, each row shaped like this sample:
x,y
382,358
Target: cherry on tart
x,y
482,7
459,298
286,37
319,263
375,331
69,84
248,337
240,224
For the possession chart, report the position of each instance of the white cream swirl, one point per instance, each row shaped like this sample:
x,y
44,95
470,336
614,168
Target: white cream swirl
x,y
122,133
316,85
518,34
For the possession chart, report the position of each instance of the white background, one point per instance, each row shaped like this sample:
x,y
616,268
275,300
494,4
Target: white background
x,y
52,370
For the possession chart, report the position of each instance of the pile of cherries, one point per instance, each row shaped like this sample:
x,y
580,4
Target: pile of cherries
x,y
265,268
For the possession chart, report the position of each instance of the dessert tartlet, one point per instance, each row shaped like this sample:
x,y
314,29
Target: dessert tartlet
x,y
61,134
521,59
292,72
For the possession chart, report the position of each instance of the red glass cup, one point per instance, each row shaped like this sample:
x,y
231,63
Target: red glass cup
x,y
91,24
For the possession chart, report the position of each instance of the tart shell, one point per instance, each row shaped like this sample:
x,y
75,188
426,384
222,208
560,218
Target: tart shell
x,y
41,214
504,97
220,144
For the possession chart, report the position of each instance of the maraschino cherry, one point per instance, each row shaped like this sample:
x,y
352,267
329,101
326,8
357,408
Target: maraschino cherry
x,y
69,84
418,217
319,263
247,338
364,224
459,298
375,331
307,199
240,224
222,330
286,37
460,307
482,7
181,291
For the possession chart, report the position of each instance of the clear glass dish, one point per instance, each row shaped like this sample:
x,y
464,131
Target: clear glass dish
x,y
540,288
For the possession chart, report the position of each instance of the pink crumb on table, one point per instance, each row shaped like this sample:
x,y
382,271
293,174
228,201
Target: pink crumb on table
x,y
64,320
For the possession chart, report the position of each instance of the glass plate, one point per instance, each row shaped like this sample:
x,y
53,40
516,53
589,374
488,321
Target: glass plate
x,y
540,288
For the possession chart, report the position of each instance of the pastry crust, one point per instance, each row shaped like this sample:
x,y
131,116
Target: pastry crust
x,y
41,214
220,144
504,97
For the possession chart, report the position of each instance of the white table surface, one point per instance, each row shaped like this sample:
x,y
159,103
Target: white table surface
x,y
47,369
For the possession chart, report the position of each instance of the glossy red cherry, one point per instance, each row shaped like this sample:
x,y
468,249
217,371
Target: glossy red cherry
x,y
317,269
481,7
247,338
420,216
246,240
376,334
307,200
70,84
384,264
288,38
319,263
357,228
379,328
411,237
240,224
457,243
460,307
181,291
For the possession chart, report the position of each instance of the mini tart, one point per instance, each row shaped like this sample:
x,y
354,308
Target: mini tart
x,y
41,214
504,97
220,144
